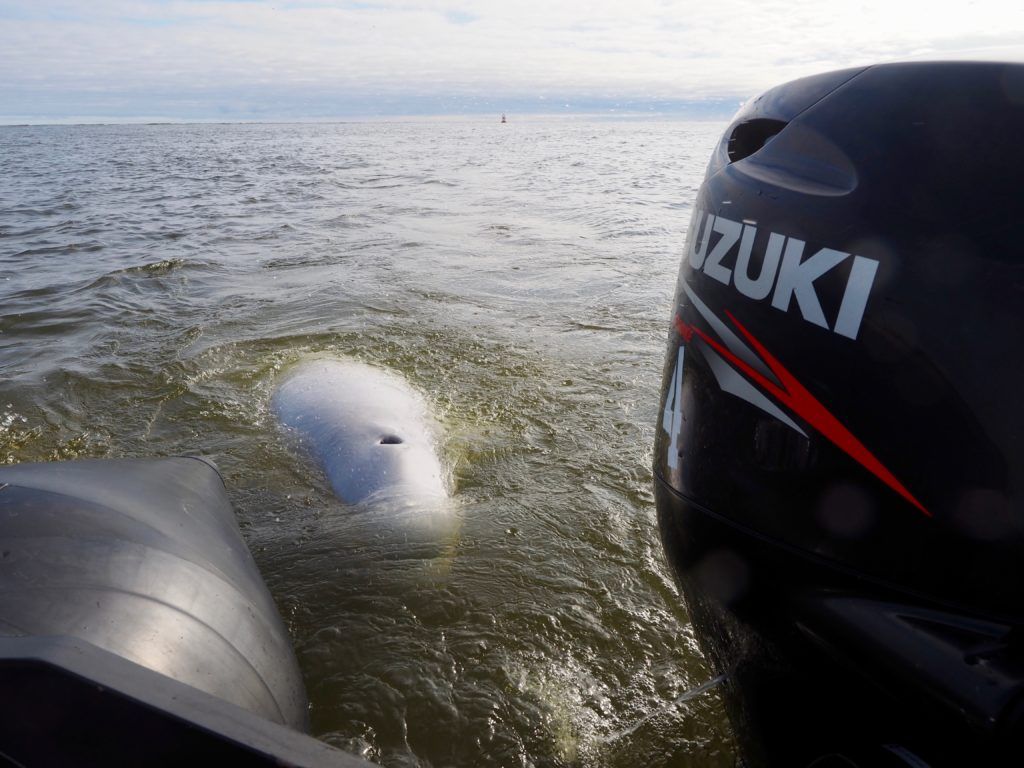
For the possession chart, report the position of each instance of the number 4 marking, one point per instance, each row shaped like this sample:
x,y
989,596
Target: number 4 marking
x,y
672,420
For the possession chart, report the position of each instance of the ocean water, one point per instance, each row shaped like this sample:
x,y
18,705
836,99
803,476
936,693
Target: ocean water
x,y
156,280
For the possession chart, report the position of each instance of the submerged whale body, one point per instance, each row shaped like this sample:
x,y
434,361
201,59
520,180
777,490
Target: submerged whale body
x,y
372,433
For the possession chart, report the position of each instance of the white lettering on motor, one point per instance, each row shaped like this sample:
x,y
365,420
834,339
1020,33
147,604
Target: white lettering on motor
x,y
759,287
730,233
783,267
699,251
796,278
672,418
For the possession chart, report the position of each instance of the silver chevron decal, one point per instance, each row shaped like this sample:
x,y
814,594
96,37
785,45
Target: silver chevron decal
x,y
732,341
730,381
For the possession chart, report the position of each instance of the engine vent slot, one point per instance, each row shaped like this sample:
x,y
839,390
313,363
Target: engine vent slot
x,y
747,138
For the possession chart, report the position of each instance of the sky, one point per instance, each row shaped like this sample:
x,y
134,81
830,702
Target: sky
x,y
65,61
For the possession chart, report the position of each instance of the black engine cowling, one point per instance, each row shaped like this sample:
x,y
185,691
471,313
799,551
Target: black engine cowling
x,y
839,456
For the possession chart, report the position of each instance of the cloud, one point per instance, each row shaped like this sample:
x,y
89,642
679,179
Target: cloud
x,y
166,54
460,17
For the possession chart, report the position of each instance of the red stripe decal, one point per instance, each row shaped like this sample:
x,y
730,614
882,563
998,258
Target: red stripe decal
x,y
793,395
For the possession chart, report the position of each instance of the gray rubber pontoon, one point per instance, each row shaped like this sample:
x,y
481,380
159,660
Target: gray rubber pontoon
x,y
134,625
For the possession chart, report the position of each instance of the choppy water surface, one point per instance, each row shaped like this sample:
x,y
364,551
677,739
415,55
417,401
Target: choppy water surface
x,y
156,279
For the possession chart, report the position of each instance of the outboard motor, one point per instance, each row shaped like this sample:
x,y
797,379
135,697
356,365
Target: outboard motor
x,y
839,464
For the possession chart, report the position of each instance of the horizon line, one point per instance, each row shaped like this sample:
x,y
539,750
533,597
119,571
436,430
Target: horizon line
x,y
13,121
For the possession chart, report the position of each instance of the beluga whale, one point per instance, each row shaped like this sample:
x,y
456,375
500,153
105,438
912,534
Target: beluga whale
x,y
372,433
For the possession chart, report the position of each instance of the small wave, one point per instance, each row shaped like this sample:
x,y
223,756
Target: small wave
x,y
156,269
274,233
75,226
30,295
594,326
23,210
172,235
344,221
86,247
163,267
627,231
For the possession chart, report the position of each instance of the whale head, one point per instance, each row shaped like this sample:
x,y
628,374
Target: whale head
x,y
372,433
